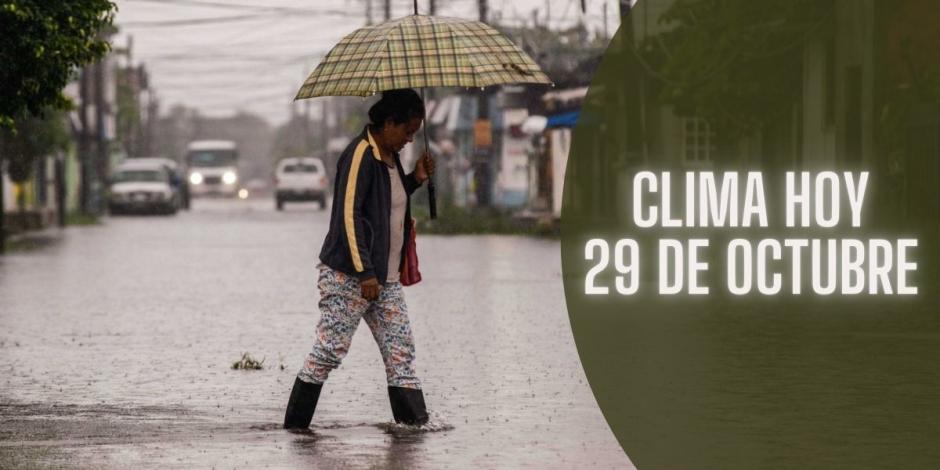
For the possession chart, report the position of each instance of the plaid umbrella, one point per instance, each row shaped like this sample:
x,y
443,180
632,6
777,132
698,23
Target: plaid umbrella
x,y
420,51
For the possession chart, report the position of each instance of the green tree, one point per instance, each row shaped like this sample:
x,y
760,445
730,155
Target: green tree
x,y
33,137
43,43
735,63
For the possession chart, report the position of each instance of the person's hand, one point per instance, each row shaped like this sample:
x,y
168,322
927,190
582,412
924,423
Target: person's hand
x,y
424,168
370,288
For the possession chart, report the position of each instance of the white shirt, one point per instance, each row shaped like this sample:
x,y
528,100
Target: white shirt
x,y
396,224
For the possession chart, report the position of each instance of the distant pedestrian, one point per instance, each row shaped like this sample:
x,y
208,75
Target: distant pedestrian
x,y
361,261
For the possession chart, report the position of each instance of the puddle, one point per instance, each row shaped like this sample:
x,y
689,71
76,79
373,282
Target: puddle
x,y
127,335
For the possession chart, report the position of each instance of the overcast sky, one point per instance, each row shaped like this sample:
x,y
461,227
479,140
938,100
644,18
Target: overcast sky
x,y
223,56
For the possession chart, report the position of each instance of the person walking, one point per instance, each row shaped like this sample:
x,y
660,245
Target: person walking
x,y
361,261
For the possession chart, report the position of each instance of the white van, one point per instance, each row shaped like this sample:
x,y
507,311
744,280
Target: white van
x,y
213,168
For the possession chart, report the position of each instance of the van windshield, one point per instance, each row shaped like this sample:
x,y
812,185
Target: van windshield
x,y
300,168
211,158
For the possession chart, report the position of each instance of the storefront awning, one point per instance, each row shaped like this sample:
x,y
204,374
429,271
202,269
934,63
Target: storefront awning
x,y
568,119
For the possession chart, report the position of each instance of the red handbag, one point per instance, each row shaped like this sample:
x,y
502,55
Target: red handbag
x,y
409,270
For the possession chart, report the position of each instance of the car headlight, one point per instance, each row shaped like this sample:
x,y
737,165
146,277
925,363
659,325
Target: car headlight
x,y
195,178
229,177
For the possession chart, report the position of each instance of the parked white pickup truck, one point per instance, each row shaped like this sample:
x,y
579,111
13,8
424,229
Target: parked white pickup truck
x,y
143,185
301,179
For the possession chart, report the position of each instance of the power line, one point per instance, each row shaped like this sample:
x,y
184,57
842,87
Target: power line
x,y
229,19
203,70
249,7
189,22
212,56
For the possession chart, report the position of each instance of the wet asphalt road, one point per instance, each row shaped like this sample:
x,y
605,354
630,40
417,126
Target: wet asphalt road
x,y
116,346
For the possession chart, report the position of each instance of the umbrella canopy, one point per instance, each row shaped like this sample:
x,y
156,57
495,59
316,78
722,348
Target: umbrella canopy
x,y
420,51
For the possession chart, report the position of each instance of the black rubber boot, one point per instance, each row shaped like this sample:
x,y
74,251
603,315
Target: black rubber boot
x,y
302,404
408,405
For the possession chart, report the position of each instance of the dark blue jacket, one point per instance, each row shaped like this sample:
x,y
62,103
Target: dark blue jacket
x,y
358,240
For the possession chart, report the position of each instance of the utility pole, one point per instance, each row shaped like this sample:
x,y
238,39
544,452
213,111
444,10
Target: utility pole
x,y
388,10
632,95
306,114
101,138
582,24
84,152
307,127
150,115
483,137
624,8
325,131
60,188
606,35
368,12
433,9
133,81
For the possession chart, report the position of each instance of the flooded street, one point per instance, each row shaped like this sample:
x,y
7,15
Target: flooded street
x,y
117,341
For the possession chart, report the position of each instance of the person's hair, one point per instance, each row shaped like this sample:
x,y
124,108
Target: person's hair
x,y
399,106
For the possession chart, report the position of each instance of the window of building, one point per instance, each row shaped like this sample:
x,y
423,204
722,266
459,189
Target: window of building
x,y
698,140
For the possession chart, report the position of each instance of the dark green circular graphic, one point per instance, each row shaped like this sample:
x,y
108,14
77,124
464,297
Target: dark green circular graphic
x,y
840,369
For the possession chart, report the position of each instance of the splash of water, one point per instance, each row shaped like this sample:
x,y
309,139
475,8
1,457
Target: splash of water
x,y
436,423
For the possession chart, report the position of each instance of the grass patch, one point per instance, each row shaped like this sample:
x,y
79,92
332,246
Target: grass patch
x,y
453,220
248,363
79,219
30,243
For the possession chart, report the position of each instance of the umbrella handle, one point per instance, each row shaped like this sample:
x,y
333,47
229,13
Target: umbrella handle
x,y
432,199
432,196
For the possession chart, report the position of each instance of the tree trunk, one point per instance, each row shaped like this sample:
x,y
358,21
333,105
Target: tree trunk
x,y
60,189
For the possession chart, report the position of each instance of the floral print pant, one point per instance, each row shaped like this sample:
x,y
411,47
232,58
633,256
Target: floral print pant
x,y
341,308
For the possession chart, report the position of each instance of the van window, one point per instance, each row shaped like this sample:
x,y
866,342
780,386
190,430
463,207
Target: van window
x,y
301,168
147,176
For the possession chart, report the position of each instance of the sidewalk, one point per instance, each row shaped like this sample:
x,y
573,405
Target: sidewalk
x,y
31,229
